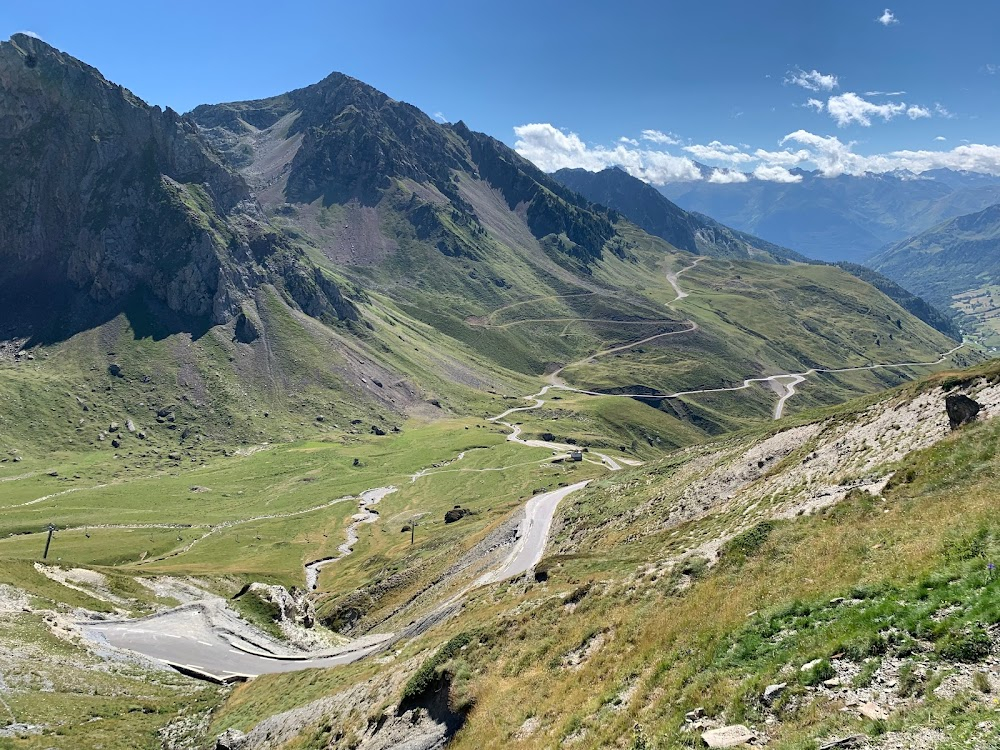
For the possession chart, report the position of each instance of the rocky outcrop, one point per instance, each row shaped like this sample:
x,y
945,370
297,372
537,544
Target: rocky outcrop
x,y
961,409
110,202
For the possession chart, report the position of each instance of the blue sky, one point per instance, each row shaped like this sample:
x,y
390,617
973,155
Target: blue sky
x,y
725,83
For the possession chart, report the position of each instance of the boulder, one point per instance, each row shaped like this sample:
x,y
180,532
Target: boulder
x,y
231,739
773,691
130,425
376,430
873,711
115,370
731,736
113,427
961,409
456,514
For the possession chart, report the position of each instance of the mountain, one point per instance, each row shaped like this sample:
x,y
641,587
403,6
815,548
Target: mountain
x,y
110,201
650,210
848,217
916,306
456,230
955,264
644,205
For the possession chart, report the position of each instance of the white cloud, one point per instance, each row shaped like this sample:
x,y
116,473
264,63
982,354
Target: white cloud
x,y
940,138
783,158
884,93
833,157
888,18
656,136
814,104
775,173
943,112
32,34
727,176
849,107
439,116
629,141
716,151
551,148
991,68
916,112
812,79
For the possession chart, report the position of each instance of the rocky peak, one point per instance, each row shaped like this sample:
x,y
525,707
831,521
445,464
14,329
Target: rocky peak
x,y
108,199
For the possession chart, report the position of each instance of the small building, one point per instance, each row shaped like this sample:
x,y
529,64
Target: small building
x,y
576,456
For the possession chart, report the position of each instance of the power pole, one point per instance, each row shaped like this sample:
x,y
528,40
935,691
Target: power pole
x,y
413,527
51,528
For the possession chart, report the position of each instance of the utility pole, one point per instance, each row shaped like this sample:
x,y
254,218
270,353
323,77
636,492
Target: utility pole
x,y
51,528
413,527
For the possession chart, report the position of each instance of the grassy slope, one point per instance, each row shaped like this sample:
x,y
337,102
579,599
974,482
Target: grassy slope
x,y
903,558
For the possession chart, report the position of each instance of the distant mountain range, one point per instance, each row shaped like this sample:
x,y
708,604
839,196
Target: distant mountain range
x,y
849,218
645,206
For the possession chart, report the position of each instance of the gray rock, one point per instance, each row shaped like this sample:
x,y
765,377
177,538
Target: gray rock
x,y
873,711
773,691
731,736
130,425
113,427
231,739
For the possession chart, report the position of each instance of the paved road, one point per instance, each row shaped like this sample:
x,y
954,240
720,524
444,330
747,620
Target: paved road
x,y
185,637
533,534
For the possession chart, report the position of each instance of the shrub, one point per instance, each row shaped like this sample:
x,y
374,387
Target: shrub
x,y
981,682
822,671
746,545
970,645
910,680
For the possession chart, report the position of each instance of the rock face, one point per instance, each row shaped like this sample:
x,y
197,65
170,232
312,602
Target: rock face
x,y
109,201
961,409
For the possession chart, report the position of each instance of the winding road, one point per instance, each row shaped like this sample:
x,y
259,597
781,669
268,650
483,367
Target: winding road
x,y
188,639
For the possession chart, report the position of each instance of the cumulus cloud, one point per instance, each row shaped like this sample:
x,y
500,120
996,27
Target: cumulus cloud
x,y
916,112
811,79
888,18
656,136
716,151
783,158
775,173
629,141
833,157
849,107
727,176
551,148
814,104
